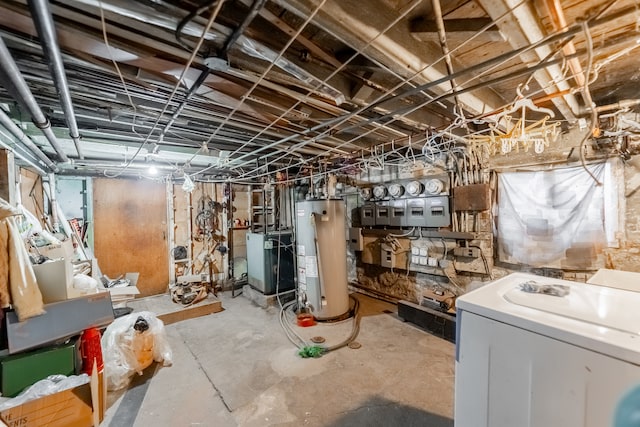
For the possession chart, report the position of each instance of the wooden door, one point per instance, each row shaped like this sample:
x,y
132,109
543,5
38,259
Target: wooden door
x,y
130,220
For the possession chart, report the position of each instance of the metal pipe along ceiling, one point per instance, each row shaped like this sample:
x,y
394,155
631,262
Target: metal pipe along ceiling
x,y
253,11
15,84
474,70
6,121
48,39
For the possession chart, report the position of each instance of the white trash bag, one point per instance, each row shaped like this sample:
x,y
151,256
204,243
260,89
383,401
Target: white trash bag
x,y
130,344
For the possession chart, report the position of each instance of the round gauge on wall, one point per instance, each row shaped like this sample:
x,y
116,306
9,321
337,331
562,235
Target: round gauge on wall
x,y
396,190
434,186
379,191
366,193
414,188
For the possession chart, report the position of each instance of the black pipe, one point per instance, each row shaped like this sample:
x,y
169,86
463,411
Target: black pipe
x,y
253,11
570,32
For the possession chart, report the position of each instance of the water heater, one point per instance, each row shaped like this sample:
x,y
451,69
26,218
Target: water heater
x,y
322,257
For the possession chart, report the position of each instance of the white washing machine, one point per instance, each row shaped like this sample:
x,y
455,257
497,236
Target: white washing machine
x,y
539,360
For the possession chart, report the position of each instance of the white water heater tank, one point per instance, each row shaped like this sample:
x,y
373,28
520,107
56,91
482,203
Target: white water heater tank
x,y
322,257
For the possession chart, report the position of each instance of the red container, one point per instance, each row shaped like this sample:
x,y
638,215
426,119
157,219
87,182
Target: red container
x,y
306,319
91,350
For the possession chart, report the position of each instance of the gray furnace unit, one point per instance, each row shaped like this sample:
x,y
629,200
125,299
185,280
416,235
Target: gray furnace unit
x,y
262,262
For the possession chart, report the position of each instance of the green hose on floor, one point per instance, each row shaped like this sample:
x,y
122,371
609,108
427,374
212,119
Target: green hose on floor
x,y
314,351
311,351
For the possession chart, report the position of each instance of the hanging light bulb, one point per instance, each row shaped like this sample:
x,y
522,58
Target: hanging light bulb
x,y
153,170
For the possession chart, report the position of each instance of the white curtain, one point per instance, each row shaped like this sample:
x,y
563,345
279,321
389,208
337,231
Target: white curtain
x,y
557,218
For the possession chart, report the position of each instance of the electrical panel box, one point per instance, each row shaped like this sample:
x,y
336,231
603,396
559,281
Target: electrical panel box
x,y
356,241
467,252
415,213
368,215
383,213
475,197
437,211
398,213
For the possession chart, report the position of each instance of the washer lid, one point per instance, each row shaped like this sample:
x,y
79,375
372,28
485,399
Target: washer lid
x,y
597,318
592,304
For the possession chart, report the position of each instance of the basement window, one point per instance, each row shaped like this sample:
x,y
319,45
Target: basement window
x,y
558,218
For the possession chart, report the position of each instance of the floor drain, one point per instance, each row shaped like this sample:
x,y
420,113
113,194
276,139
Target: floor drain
x,y
354,345
318,340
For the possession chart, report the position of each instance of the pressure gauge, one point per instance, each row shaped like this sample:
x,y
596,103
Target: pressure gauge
x,y
379,191
396,190
414,188
434,186
366,193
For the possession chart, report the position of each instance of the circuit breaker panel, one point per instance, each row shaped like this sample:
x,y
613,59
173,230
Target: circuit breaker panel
x,y
416,203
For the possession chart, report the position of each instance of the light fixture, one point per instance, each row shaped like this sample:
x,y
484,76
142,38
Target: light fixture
x,y
153,170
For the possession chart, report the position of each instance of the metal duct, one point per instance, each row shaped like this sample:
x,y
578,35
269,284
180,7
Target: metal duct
x,y
48,39
6,121
251,47
12,80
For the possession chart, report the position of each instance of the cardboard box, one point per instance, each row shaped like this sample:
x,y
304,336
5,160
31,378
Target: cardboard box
x,y
19,371
62,319
54,278
63,250
69,408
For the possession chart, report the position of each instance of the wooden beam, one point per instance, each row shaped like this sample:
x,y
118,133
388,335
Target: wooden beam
x,y
7,176
458,30
396,48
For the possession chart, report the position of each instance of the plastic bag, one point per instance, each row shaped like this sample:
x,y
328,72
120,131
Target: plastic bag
x,y
130,344
84,283
50,385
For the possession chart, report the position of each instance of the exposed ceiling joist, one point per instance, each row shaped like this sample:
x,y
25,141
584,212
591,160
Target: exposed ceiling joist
x,y
397,50
458,30
523,28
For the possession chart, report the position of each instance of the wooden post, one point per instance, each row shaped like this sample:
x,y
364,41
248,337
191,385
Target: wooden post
x,y
7,176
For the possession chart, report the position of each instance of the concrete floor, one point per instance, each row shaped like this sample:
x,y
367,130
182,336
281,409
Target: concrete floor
x,y
237,368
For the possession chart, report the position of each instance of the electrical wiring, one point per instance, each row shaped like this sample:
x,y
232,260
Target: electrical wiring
x,y
186,68
189,18
117,67
408,233
454,283
266,71
406,11
589,102
333,124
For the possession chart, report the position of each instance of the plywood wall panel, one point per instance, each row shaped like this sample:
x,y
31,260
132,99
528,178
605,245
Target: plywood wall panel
x,y
131,231
32,193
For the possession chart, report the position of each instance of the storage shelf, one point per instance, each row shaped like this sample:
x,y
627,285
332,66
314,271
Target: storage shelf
x,y
263,209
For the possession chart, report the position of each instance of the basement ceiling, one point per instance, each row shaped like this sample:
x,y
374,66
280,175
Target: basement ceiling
x,y
245,88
